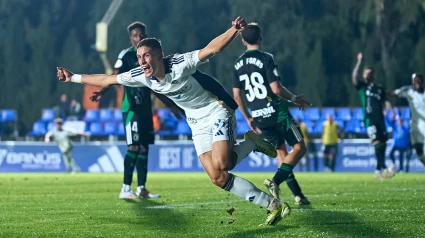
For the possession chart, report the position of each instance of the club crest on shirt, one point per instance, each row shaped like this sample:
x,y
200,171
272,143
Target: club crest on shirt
x,y
136,136
126,77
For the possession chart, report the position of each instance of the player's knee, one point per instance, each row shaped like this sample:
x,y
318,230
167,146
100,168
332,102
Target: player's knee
x,y
220,163
218,180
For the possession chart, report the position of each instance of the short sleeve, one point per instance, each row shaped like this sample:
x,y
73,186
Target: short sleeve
x,y
132,78
402,92
361,85
119,65
236,81
271,70
186,63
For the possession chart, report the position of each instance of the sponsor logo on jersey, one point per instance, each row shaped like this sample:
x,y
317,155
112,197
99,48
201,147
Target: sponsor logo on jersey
x,y
191,120
376,95
264,112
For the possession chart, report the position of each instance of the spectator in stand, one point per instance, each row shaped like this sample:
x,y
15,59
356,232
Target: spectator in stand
x,y
401,140
156,121
61,110
75,110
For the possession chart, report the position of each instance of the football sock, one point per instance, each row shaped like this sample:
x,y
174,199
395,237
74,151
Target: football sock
x,y
241,150
142,168
326,162
246,190
129,163
67,160
380,156
294,186
282,173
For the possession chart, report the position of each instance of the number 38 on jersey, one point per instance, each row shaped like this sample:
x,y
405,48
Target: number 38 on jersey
x,y
254,86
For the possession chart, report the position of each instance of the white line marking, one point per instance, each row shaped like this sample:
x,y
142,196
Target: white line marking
x,y
196,205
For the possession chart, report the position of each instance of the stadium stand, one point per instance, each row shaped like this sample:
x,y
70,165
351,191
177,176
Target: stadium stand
x,y
106,115
106,122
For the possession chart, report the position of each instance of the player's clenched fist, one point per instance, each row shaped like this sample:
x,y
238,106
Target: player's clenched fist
x,y
239,24
64,74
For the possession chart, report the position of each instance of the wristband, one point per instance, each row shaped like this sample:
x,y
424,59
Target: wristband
x,y
293,98
76,78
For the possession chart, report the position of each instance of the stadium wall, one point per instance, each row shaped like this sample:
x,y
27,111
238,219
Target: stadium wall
x,y
170,156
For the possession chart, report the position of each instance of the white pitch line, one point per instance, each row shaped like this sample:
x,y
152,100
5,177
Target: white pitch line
x,y
196,205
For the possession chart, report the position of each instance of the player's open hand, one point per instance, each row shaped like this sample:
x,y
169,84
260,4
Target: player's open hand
x,y
359,57
301,102
64,74
96,96
239,24
253,126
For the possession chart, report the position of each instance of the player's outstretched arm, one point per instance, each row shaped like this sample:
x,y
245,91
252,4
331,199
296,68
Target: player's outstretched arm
x,y
284,93
222,41
354,76
100,80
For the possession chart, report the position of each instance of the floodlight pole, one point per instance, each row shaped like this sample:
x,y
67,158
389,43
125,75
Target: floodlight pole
x,y
102,34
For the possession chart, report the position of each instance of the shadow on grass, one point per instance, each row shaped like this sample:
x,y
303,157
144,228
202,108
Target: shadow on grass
x,y
316,222
155,215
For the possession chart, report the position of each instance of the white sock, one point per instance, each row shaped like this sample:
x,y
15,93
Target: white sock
x,y
246,190
243,149
126,188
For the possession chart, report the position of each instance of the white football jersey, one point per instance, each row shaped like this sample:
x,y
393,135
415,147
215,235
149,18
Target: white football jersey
x,y
416,102
62,138
180,84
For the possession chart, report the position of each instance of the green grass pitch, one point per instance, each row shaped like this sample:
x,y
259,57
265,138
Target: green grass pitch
x,y
87,205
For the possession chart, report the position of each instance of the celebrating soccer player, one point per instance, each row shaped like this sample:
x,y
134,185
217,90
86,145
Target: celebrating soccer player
x,y
415,95
373,98
209,110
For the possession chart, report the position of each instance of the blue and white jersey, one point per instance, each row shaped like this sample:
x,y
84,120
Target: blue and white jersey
x,y
196,93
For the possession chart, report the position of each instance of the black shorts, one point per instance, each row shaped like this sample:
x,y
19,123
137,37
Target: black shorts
x,y
330,149
282,132
377,132
136,131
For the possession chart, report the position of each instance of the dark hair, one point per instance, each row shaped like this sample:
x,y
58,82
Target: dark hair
x,y
152,43
372,70
419,76
251,34
135,25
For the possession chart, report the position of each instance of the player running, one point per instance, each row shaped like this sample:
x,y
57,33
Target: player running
x,y
137,118
373,98
256,74
62,137
209,110
415,95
